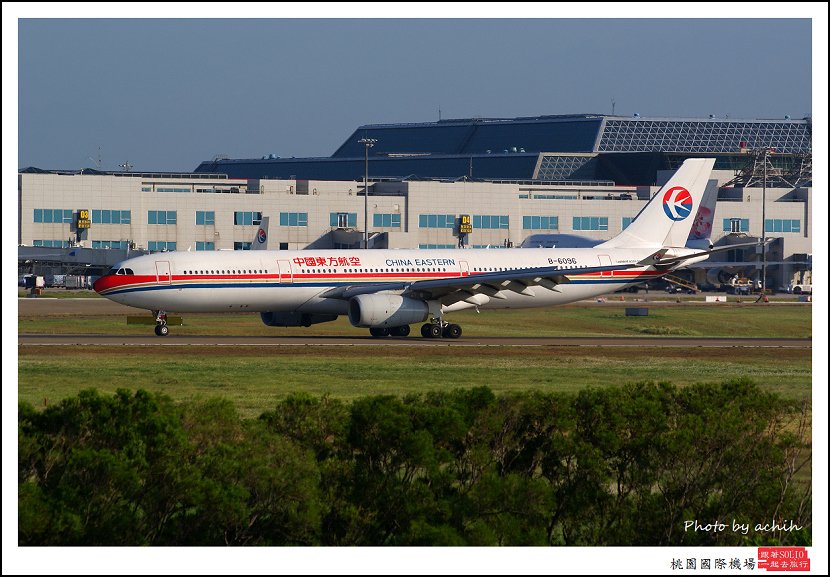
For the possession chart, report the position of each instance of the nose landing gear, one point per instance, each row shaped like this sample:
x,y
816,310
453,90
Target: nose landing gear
x,y
161,329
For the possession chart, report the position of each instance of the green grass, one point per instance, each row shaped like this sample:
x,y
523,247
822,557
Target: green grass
x,y
255,378
607,319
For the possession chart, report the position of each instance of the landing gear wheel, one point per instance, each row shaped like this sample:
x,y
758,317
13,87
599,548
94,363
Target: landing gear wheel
x,y
401,331
452,331
379,332
162,330
431,331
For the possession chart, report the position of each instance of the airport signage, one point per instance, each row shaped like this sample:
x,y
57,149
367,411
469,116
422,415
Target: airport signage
x,y
83,219
466,224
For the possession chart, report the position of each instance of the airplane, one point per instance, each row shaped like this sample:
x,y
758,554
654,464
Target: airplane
x,y
386,291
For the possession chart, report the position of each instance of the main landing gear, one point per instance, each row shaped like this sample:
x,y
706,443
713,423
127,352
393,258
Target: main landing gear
x,y
440,329
161,323
434,330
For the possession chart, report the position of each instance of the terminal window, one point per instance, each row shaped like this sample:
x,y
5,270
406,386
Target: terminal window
x,y
49,215
161,245
491,221
205,245
436,221
343,219
51,243
247,218
735,225
387,221
782,225
161,217
111,244
293,219
207,217
110,216
540,223
590,223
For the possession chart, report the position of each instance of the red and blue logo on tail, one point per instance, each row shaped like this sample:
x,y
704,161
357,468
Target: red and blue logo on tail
x,y
261,237
677,203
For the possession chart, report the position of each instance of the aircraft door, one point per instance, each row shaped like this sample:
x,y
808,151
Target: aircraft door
x,y
605,260
163,275
465,268
286,274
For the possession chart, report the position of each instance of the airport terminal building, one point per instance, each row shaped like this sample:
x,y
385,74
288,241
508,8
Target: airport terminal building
x,y
587,175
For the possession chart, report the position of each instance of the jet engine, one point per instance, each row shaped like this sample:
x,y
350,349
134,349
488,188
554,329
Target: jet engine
x,y
382,310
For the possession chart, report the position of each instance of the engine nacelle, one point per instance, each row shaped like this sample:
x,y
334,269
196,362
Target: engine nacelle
x,y
274,319
380,310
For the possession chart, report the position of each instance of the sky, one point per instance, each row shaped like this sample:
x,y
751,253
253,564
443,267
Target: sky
x,y
83,82
165,95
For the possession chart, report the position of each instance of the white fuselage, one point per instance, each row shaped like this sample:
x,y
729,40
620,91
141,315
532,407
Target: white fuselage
x,y
232,281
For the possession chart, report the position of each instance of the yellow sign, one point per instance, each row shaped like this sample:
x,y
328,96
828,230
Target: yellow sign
x,y
466,224
83,219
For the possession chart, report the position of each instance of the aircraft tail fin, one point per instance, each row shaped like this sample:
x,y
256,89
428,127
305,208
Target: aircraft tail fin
x,y
701,233
668,218
260,241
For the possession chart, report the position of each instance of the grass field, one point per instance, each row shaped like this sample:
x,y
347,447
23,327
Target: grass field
x,y
591,319
254,378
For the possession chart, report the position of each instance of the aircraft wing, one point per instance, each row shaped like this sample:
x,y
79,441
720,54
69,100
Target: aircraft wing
x,y
461,288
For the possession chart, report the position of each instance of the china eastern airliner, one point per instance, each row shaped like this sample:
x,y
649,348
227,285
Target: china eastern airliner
x,y
386,291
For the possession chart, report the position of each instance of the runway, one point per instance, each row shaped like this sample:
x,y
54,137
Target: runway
x,y
369,342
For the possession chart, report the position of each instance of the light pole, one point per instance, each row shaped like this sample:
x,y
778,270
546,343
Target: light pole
x,y
367,143
764,230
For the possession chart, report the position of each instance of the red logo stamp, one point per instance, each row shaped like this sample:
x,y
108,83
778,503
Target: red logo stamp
x,y
783,559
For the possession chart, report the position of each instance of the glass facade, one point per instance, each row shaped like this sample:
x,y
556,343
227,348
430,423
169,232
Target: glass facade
x,y
556,167
634,135
205,245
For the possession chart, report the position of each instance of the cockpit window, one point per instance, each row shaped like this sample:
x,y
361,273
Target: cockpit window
x,y
120,271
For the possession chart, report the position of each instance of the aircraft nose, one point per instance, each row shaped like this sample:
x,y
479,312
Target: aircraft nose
x,y
100,284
